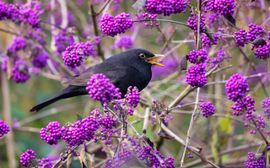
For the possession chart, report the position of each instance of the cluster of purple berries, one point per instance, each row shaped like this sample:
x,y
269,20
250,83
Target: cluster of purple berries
x,y
20,72
149,20
28,13
221,7
255,32
244,105
17,44
207,42
28,157
197,56
152,158
192,22
196,75
113,25
266,107
4,128
133,96
52,133
119,159
166,7
262,51
132,99
82,130
252,161
75,54
236,87
208,109
39,58
219,58
101,89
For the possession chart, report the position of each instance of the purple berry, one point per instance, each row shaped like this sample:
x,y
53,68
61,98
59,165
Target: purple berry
x,y
197,56
20,72
196,75
27,158
4,128
52,133
101,89
208,109
236,87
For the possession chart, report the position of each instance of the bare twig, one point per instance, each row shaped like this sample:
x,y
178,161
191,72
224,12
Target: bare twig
x,y
261,133
192,120
9,32
103,7
146,119
8,119
95,27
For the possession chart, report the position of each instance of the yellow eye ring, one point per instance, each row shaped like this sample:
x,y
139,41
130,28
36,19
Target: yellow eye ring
x,y
142,55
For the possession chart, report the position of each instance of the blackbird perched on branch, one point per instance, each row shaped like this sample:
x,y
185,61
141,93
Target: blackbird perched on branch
x,y
130,68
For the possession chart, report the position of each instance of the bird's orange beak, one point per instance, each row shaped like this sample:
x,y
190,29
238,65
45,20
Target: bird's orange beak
x,y
155,60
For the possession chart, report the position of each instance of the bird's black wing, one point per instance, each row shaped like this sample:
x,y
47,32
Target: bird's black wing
x,y
114,73
119,75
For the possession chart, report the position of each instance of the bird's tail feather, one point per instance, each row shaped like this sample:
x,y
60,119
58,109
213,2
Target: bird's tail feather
x,y
68,92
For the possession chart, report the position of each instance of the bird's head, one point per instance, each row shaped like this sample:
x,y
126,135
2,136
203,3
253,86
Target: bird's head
x,y
145,57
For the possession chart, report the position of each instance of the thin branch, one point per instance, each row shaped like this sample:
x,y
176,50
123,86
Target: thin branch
x,y
103,7
192,120
9,32
95,27
9,139
260,132
146,119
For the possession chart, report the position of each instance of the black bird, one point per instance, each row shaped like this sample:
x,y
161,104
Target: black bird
x,y
130,68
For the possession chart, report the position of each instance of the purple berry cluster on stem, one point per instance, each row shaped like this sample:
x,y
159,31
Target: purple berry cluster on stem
x,y
40,58
149,20
221,7
254,162
20,72
113,25
52,133
27,158
28,13
208,109
196,75
18,43
166,7
236,87
266,107
45,163
197,56
75,54
262,51
82,130
101,89
4,128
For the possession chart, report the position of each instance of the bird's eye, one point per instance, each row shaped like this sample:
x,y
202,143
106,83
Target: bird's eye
x,y
142,55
